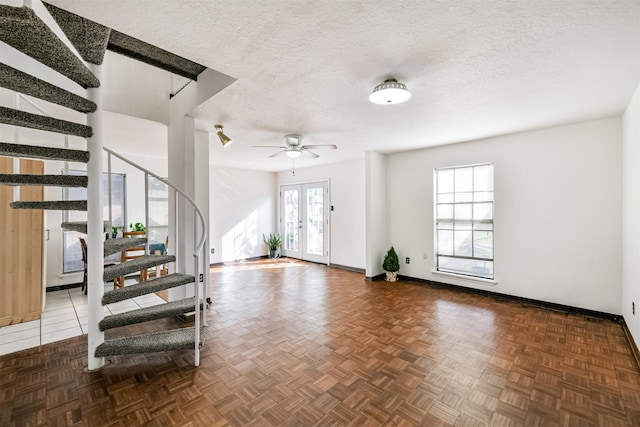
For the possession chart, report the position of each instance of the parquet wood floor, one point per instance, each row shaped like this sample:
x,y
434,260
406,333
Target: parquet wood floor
x,y
307,345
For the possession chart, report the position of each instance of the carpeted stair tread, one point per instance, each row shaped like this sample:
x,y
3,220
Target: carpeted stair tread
x,y
153,55
174,339
135,265
46,153
89,38
44,180
52,205
147,287
42,44
19,81
147,314
81,226
10,116
113,246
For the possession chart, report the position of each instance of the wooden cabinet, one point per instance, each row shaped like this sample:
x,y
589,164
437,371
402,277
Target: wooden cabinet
x,y
21,242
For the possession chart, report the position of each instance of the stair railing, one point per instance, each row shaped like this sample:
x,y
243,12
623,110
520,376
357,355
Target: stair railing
x,y
198,250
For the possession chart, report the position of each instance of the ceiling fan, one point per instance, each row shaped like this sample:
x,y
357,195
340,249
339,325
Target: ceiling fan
x,y
294,147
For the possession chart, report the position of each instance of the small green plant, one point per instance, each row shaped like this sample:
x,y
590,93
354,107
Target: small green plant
x,y
274,241
391,262
138,226
114,231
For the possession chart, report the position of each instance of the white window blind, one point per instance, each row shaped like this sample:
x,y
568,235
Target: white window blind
x,y
464,220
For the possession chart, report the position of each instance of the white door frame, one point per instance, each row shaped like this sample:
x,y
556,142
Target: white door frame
x,y
302,253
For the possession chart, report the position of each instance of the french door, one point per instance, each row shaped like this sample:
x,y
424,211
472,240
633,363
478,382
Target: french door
x,y
304,221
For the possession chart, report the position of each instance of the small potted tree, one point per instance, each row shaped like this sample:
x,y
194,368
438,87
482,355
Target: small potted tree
x,y
391,265
274,242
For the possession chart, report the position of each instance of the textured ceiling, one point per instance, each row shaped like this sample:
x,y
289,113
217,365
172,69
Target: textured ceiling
x,y
475,68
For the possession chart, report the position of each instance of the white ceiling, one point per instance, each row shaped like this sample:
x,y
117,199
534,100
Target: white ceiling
x,y
475,68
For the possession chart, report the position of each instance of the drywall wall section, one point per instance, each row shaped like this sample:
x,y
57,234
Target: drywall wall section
x,y
377,236
557,212
631,216
243,208
347,196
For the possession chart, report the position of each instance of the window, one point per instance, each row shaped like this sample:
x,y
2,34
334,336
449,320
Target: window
x,y
158,226
71,251
464,220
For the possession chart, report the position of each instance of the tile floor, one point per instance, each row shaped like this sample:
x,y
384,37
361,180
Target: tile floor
x,y
64,316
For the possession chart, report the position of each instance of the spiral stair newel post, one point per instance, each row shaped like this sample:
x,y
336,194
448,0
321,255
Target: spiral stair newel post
x,y
95,227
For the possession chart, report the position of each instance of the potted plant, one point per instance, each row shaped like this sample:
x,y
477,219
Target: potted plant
x,y
274,242
391,265
138,226
114,232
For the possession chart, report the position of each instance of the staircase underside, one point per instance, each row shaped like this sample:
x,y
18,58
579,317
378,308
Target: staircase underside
x,y
79,29
88,37
81,226
44,153
44,180
10,116
42,44
18,81
52,205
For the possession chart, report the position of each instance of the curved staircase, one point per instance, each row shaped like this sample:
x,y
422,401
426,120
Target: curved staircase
x,y
33,32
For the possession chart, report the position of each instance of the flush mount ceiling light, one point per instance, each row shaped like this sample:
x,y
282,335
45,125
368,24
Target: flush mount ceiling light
x,y
390,92
224,139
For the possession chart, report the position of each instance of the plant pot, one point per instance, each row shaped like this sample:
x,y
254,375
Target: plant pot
x,y
392,276
272,253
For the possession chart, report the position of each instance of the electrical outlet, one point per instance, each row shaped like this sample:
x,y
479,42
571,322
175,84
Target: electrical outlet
x,y
407,260
424,255
202,278
213,251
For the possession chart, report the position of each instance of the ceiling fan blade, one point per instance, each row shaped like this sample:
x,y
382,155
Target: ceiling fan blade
x,y
314,155
267,146
278,153
328,146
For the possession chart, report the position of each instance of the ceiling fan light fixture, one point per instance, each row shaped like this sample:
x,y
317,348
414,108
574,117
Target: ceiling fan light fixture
x,y
294,154
224,139
390,91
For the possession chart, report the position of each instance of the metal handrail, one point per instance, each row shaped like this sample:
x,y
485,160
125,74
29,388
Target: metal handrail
x,y
185,195
198,213
198,247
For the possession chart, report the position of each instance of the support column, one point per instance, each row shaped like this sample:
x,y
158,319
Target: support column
x,y
95,227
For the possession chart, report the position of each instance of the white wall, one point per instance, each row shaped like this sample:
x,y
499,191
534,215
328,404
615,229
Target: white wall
x,y
347,195
377,223
243,208
631,215
557,212
146,97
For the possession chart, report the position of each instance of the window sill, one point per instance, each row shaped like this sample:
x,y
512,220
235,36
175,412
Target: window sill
x,y
466,279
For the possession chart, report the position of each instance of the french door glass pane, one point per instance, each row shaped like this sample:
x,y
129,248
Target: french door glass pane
x,y
315,221
291,240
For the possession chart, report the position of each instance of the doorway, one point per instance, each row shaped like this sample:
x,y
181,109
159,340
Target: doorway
x,y
304,221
